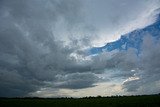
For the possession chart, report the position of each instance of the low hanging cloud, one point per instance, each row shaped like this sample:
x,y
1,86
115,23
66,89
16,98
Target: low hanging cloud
x,y
76,80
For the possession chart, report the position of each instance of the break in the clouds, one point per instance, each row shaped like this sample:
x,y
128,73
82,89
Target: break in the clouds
x,y
43,47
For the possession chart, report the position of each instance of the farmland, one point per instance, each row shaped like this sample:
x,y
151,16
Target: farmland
x,y
115,101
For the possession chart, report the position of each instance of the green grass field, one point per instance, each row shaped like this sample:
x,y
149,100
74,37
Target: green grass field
x,y
125,101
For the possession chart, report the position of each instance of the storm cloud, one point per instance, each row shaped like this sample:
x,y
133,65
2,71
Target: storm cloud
x,y
43,43
30,53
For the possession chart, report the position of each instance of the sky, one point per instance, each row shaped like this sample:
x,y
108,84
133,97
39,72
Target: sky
x,y
43,48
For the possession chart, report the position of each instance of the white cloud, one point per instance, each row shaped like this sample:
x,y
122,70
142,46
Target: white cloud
x,y
113,18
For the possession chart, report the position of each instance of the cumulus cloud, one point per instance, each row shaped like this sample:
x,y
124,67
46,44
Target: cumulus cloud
x,y
138,74
148,73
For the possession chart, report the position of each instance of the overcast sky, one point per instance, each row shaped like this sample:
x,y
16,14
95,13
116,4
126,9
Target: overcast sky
x,y
43,43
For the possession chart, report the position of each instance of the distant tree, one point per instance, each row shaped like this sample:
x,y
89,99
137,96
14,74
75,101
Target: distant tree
x,y
90,97
98,96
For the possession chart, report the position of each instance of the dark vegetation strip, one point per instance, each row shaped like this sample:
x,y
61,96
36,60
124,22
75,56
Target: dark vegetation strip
x,y
115,101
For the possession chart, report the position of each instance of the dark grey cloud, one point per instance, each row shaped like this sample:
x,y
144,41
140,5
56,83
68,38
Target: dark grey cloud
x,y
41,46
76,80
122,61
30,54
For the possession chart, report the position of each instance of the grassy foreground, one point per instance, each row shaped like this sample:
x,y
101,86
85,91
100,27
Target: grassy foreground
x,y
125,101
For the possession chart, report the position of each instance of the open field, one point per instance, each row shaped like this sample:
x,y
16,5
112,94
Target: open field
x,y
125,101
